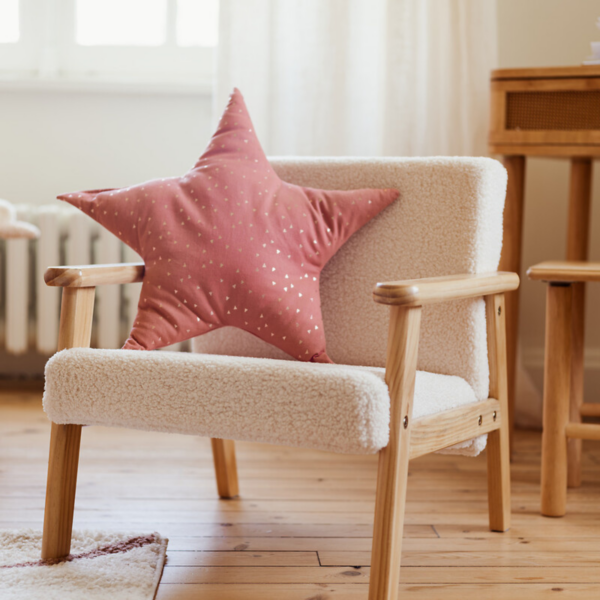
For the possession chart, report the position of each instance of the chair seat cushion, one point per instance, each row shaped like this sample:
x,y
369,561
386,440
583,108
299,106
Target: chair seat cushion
x,y
331,407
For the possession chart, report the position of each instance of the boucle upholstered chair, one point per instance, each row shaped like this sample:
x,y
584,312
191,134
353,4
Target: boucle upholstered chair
x,y
438,246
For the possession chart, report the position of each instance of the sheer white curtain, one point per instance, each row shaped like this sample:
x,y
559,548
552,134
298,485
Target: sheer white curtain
x,y
361,77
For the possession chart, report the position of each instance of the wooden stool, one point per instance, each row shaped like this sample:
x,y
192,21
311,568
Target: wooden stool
x,y
564,354
551,112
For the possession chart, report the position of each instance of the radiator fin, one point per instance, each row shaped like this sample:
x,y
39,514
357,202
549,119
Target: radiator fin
x,y
32,309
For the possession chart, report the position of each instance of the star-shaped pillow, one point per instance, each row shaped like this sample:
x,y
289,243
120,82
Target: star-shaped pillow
x,y
231,244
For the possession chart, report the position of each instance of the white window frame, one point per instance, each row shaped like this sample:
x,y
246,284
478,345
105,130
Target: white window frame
x,y
47,55
20,57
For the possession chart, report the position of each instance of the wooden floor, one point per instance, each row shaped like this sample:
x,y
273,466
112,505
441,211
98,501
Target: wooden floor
x,y
301,530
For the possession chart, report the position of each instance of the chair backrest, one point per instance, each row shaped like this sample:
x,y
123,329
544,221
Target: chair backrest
x,y
447,220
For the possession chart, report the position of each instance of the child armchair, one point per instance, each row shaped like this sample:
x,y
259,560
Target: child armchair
x,y
436,248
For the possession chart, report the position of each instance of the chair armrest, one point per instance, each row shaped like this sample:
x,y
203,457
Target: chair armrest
x,y
93,275
565,271
417,292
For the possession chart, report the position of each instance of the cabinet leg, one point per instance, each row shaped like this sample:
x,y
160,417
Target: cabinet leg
x,y
577,249
511,261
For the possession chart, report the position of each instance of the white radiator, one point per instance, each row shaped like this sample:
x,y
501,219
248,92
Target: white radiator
x,y
30,310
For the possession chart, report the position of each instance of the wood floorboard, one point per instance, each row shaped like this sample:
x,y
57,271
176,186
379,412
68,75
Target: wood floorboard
x,y
359,592
410,575
302,527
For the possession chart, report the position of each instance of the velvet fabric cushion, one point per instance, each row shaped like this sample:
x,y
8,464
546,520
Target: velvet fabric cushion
x,y
230,243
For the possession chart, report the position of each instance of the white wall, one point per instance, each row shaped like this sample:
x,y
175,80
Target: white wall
x,y
538,33
53,142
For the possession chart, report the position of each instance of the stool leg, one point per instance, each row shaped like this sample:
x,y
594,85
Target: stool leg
x,y
557,380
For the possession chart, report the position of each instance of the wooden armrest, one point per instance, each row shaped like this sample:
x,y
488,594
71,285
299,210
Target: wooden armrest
x,y
93,275
416,292
565,271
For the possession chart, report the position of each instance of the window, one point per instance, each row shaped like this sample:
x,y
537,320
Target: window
x,y
145,41
9,21
120,22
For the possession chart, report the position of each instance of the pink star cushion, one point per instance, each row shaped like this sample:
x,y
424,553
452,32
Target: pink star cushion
x,y
229,243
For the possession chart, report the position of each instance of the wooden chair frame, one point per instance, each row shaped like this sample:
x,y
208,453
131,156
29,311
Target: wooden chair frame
x,y
408,439
563,380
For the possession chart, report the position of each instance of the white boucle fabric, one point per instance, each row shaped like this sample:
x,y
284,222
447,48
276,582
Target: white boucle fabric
x,y
130,575
447,220
331,407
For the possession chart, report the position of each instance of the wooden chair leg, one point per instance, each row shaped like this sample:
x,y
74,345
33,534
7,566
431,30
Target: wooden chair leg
x,y
392,473
76,314
557,380
498,445
60,490
225,468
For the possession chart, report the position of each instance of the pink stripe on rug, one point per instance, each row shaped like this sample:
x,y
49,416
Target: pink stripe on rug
x,y
120,548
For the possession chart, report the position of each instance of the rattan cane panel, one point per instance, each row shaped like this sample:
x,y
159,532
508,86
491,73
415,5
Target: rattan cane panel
x,y
560,110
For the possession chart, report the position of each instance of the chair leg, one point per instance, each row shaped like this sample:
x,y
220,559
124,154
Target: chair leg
x,y
498,445
225,468
392,480
392,474
498,458
60,490
76,315
557,380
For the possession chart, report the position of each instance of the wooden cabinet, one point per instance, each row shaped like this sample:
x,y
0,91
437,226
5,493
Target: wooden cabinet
x,y
552,112
546,112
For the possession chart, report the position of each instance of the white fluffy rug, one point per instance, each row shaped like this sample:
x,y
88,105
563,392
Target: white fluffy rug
x,y
102,565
